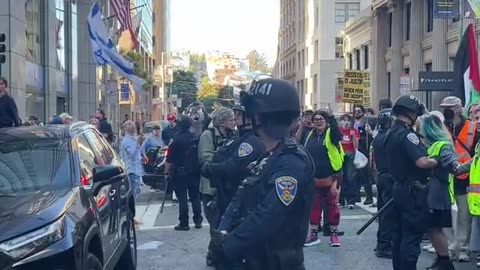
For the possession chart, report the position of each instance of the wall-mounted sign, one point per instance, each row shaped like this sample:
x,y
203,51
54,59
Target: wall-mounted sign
x,y
436,81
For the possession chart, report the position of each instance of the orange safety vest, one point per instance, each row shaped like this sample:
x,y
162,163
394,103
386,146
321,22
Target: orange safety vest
x,y
464,143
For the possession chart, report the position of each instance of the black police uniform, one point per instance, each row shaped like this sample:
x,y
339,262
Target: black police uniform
x,y
410,200
278,199
384,191
230,166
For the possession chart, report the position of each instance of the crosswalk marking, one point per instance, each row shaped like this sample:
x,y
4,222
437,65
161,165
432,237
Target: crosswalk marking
x,y
147,214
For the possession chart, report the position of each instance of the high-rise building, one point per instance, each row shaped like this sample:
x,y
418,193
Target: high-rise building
x,y
49,66
287,41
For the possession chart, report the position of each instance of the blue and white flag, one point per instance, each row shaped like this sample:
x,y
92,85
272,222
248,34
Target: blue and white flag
x,y
105,52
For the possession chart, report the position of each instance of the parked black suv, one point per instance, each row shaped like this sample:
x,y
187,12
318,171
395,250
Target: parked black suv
x,y
65,201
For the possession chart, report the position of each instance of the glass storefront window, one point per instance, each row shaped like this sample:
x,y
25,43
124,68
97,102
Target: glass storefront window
x,y
60,33
32,30
35,105
74,34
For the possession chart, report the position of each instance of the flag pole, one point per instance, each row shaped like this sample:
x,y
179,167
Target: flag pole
x,y
134,8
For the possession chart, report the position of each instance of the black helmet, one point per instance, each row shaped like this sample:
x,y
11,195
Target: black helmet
x,y
238,107
184,122
270,95
410,103
385,117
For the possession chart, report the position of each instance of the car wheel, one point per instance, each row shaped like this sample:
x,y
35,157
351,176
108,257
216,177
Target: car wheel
x,y
128,261
93,263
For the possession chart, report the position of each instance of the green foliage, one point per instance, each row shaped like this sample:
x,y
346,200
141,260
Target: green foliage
x,y
138,64
197,63
257,62
214,95
184,85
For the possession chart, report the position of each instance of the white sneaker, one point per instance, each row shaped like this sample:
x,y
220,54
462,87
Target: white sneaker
x,y
478,264
432,250
427,247
463,256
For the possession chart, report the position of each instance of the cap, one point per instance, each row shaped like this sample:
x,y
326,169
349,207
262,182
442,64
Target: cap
x,y
65,116
171,117
451,101
156,127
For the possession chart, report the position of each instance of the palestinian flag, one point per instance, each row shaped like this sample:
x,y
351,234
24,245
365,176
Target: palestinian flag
x,y
466,69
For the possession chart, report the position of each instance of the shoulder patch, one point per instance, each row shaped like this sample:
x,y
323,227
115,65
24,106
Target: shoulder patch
x,y
244,150
286,187
413,138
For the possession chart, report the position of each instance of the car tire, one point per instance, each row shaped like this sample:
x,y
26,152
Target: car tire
x,y
128,260
93,263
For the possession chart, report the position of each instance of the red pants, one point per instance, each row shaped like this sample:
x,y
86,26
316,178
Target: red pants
x,y
323,198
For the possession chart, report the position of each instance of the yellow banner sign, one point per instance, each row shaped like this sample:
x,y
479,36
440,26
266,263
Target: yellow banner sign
x,y
353,87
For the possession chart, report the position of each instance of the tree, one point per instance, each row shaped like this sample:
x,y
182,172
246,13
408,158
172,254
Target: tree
x,y
198,63
138,70
257,62
207,89
184,85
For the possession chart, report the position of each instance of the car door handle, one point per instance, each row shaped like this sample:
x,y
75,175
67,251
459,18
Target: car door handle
x,y
112,193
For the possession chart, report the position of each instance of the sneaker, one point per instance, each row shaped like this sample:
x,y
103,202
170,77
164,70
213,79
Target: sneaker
x,y
334,239
463,256
427,247
152,189
478,264
198,225
477,257
432,250
351,206
312,240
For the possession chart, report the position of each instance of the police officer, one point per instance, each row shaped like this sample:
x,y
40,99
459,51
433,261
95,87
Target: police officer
x,y
384,185
410,166
279,193
230,163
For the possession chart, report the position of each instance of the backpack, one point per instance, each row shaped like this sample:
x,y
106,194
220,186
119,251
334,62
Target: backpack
x,y
192,163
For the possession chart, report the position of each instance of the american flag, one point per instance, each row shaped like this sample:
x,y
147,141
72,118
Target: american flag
x,y
121,9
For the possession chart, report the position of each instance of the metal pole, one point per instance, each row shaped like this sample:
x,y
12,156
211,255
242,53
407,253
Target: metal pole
x,y
134,8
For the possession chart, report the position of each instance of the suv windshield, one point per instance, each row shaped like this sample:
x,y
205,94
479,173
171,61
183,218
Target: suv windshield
x,y
33,164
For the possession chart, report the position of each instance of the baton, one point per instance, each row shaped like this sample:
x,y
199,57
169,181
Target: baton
x,y
164,196
375,216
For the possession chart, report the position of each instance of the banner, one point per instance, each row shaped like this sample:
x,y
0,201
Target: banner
x,y
339,87
354,86
124,92
405,84
446,9
367,100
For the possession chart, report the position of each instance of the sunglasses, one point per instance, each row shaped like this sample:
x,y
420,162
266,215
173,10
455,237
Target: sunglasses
x,y
318,119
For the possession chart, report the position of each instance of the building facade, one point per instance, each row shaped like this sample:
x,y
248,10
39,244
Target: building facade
x,y
49,66
287,42
161,46
320,49
407,40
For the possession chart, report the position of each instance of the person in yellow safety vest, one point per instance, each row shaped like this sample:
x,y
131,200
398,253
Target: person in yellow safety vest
x,y
473,196
465,136
323,144
440,147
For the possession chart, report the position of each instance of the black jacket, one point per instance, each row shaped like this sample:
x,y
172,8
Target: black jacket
x,y
8,112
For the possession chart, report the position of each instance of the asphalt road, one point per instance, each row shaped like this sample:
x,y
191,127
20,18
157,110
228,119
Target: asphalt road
x,y
162,248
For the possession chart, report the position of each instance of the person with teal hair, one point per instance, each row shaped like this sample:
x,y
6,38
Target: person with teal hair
x,y
440,147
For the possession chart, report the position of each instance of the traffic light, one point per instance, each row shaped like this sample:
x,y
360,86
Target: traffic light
x,y
2,48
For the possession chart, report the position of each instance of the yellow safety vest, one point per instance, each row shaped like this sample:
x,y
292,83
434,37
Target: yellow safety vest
x,y
335,153
474,189
434,151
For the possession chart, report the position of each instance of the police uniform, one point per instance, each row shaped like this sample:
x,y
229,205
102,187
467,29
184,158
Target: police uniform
x,y
409,195
384,186
230,165
276,199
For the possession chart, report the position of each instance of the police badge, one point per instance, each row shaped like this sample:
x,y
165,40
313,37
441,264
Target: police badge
x,y
286,187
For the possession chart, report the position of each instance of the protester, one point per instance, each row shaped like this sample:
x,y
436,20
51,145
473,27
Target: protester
x,y
104,127
8,107
349,144
66,118
170,131
154,140
94,122
305,126
363,174
323,144
32,121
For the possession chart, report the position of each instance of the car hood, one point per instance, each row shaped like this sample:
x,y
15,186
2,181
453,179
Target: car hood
x,y
24,213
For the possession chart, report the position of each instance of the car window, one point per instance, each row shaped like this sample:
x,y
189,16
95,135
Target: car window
x,y
29,165
99,148
87,159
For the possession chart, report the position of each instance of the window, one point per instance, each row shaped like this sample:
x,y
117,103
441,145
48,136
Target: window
x,y
350,61
390,29
96,142
34,164
338,47
303,57
306,56
60,33
316,51
429,15
451,63
316,16
407,20
346,11
357,59
87,160
406,71
428,67
389,86
365,57
153,41
299,57
33,13
315,91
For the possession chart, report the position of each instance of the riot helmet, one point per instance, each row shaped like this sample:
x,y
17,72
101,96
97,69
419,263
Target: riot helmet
x,y
275,102
406,105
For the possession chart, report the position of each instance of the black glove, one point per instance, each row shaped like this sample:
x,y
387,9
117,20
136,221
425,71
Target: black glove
x,y
205,170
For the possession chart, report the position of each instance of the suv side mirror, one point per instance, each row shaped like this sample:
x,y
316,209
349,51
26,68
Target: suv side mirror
x,y
106,175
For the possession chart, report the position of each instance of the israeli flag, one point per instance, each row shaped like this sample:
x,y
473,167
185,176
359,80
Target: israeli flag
x,y
105,52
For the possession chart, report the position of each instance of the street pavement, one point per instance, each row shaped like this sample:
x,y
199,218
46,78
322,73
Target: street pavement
x,y
162,248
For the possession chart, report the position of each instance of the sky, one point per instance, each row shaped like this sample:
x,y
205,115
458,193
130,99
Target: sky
x,y
236,26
